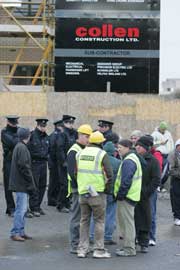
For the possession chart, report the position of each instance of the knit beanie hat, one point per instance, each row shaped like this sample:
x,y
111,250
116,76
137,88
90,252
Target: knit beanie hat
x,y
126,143
177,143
145,142
23,133
163,125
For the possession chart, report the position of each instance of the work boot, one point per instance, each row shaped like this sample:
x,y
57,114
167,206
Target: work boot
x,y
17,238
26,237
144,249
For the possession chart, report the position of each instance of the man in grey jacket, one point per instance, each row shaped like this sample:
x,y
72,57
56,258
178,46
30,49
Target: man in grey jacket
x,y
21,182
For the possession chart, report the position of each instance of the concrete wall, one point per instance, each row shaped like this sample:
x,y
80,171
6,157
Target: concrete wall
x,y
129,112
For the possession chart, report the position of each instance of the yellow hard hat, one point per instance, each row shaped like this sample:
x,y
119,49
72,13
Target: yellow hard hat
x,y
96,137
85,129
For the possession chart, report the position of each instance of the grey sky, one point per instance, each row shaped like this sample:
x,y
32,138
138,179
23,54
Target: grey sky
x,y
170,40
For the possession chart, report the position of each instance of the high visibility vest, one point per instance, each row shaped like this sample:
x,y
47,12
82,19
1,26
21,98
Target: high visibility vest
x,y
77,148
134,192
90,171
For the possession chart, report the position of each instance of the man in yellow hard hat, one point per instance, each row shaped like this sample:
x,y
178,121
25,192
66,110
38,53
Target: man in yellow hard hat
x,y
84,131
94,178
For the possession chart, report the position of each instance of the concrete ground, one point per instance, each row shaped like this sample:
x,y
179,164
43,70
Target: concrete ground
x,y
49,248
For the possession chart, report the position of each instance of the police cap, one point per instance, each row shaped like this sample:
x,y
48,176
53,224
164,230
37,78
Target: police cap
x,y
67,118
42,122
58,122
102,123
13,119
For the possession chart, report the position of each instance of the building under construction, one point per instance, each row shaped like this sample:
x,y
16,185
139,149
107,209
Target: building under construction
x,y
26,45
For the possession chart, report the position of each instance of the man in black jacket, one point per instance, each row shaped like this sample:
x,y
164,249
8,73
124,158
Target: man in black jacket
x,y
9,139
39,150
21,182
58,142
150,182
68,122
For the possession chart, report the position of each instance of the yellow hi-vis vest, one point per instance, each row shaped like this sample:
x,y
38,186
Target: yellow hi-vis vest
x,y
77,148
90,171
134,192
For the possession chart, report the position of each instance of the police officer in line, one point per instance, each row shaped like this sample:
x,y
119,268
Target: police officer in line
x,y
59,145
68,123
9,139
105,127
39,150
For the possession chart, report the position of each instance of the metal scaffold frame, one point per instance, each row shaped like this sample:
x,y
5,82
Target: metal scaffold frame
x,y
39,33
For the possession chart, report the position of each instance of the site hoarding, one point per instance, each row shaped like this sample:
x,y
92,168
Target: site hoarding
x,y
96,54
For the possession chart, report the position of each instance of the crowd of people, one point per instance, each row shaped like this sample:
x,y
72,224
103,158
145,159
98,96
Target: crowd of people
x,y
103,181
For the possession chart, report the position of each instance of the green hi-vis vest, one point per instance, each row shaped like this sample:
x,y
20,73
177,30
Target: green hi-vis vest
x,y
134,192
75,147
90,171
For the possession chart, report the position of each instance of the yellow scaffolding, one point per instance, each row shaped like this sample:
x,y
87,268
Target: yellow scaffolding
x,y
33,24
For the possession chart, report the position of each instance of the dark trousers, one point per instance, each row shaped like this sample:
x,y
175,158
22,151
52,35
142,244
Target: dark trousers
x,y
165,170
8,194
143,222
54,184
62,200
175,197
39,170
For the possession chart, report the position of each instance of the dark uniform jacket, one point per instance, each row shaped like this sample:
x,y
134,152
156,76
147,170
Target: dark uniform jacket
x,y
58,147
150,181
72,136
39,145
9,139
21,178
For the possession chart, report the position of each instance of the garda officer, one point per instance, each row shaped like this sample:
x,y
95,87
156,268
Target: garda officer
x,y
9,139
68,122
57,162
105,127
94,178
127,191
39,150
84,131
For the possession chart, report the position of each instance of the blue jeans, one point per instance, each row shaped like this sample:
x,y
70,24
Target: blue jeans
x,y
19,214
110,219
153,201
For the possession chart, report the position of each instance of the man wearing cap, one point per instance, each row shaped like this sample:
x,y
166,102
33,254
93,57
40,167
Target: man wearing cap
x,y
39,150
94,178
105,127
57,157
84,131
22,183
150,181
164,143
174,161
68,122
9,140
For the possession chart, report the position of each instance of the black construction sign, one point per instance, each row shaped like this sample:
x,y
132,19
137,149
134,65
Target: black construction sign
x,y
100,54
108,4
